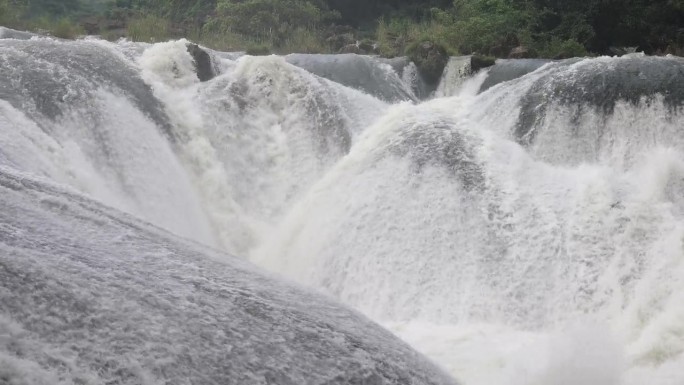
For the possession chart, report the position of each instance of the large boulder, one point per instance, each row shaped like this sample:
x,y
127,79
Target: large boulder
x,y
90,295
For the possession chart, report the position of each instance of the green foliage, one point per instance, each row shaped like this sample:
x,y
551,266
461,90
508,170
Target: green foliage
x,y
303,40
551,28
65,29
221,40
11,12
5,12
148,28
395,36
54,8
258,50
562,49
272,21
280,25
489,26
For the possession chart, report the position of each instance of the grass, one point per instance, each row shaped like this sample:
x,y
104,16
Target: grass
x,y
149,28
63,28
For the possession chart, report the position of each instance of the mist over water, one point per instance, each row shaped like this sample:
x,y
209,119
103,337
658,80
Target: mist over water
x,y
527,234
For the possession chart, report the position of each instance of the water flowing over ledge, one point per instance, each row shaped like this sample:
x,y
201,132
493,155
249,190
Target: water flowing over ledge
x,y
525,226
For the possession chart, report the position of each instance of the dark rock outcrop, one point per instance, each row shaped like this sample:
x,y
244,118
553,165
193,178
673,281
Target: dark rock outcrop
x,y
478,62
203,64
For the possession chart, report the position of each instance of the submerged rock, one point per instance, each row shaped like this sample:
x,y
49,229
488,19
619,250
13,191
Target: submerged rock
x,y
91,295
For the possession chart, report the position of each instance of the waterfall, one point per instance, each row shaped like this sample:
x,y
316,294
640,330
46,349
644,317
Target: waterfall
x,y
523,226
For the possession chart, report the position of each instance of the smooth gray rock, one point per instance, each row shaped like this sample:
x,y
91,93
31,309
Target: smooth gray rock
x,y
600,84
365,73
509,69
90,295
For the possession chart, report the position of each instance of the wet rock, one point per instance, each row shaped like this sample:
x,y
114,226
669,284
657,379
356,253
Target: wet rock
x,y
478,62
509,69
123,302
374,76
203,64
600,85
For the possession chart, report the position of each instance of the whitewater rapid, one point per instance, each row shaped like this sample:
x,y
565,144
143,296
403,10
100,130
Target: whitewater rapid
x,y
524,227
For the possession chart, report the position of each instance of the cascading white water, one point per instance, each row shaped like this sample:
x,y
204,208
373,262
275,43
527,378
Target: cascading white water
x,y
554,263
457,71
530,234
255,137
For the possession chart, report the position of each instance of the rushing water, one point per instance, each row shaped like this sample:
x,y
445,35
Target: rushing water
x,y
528,229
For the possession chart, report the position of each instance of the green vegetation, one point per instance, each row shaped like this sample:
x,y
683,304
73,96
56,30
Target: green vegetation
x,y
498,28
148,28
10,12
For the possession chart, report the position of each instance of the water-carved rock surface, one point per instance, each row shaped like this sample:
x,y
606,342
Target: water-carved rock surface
x,y
90,294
